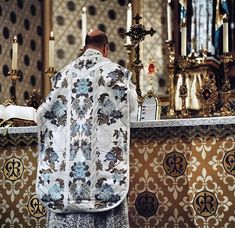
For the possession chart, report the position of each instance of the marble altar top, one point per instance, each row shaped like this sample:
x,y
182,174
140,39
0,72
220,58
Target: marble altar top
x,y
144,124
184,122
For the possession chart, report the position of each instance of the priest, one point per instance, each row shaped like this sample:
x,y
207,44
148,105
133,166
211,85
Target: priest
x,y
84,132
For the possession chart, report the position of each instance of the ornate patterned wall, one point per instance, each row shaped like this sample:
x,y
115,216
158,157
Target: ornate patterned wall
x,y
108,16
153,48
22,19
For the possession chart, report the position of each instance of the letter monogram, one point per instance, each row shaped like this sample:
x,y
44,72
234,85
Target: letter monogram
x,y
13,169
146,204
35,208
229,162
175,164
205,203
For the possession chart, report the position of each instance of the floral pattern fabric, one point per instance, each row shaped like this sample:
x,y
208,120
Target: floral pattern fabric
x,y
84,136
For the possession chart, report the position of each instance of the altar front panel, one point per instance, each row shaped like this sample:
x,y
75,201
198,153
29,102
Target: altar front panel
x,y
19,206
182,177
179,176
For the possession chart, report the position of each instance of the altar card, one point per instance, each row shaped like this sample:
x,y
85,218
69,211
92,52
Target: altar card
x,y
150,109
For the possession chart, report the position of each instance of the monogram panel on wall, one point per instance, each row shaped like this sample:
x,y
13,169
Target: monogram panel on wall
x,y
22,19
183,177
108,16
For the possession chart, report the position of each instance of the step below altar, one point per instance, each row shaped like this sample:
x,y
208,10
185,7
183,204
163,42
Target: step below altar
x,y
182,173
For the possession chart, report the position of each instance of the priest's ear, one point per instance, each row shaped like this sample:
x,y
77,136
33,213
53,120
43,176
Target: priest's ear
x,y
106,50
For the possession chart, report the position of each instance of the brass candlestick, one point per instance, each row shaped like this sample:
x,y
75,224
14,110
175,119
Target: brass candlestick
x,y
183,64
14,76
128,50
171,72
49,73
137,34
226,87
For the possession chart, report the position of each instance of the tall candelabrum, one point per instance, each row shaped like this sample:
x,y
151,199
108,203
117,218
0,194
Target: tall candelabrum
x,y
171,72
183,93
14,75
137,34
51,70
226,86
49,73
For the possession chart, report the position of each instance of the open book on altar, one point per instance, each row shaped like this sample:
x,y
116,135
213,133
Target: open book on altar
x,y
15,115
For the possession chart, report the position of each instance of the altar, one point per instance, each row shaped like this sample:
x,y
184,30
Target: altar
x,y
182,174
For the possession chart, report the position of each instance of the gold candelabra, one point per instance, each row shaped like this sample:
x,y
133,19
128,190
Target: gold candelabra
x,y
171,72
14,76
49,74
183,64
226,87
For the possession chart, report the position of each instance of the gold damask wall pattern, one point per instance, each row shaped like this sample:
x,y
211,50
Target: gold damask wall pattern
x,y
183,177
108,16
22,19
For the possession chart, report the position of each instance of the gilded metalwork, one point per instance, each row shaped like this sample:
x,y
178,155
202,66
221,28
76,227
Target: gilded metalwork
x,y
226,87
171,72
208,95
184,64
49,73
137,34
14,75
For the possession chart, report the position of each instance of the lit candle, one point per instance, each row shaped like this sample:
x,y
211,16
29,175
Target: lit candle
x,y
14,53
225,34
84,26
169,21
51,50
184,40
128,22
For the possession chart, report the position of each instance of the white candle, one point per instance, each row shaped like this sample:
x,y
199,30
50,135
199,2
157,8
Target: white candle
x,y
184,40
14,53
169,21
84,26
225,35
128,22
51,50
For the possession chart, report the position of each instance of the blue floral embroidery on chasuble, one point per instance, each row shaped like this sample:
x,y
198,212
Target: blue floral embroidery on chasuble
x,y
83,132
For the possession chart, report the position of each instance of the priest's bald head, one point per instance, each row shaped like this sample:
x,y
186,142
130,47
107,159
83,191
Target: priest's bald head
x,y
98,40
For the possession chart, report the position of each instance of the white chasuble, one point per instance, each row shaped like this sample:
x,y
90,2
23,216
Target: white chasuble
x,y
84,132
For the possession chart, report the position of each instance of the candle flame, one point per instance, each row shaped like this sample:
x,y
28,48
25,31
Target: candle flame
x,y
84,10
15,39
169,1
51,34
129,5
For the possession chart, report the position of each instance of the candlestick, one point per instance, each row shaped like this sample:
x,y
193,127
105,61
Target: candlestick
x,y
128,23
225,34
51,50
183,40
84,26
169,21
14,53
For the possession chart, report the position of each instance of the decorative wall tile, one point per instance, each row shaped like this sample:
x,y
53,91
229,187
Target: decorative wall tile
x,y
22,19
